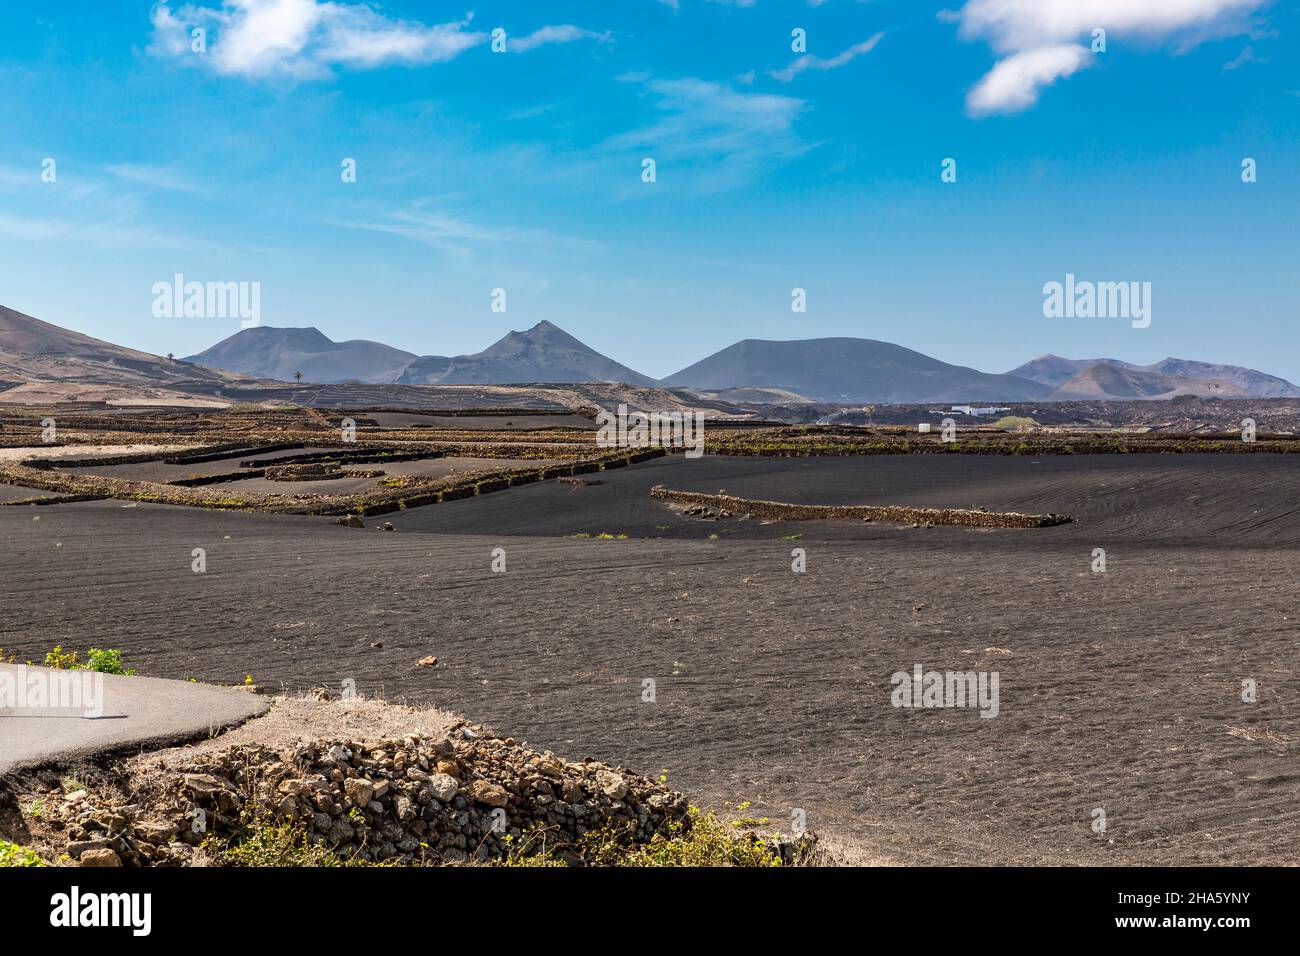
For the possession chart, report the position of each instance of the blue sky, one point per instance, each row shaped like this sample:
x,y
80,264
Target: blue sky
x,y
522,170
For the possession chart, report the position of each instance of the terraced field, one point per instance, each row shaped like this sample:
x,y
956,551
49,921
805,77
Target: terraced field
x,y
1119,691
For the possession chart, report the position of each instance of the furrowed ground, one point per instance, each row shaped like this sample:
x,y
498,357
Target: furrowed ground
x,y
1119,690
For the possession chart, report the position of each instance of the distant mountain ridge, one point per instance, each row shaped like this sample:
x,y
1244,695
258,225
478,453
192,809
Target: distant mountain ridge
x,y
44,361
850,370
1055,371
1112,381
267,352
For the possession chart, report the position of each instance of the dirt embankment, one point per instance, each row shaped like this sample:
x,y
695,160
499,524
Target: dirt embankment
x,y
784,511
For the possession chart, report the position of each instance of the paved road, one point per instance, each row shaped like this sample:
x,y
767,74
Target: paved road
x,y
48,716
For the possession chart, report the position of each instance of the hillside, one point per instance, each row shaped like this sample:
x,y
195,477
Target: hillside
x,y
41,362
267,352
1055,371
850,370
1112,381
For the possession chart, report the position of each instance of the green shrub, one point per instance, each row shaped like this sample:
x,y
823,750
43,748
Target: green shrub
x,y
101,661
107,662
61,660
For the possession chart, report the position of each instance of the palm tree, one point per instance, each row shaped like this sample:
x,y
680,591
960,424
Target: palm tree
x,y
297,376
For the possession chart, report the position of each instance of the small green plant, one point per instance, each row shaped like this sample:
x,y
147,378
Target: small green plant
x,y
11,854
62,660
107,662
97,659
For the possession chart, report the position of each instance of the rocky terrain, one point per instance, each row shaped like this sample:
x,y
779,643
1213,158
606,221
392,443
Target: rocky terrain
x,y
455,795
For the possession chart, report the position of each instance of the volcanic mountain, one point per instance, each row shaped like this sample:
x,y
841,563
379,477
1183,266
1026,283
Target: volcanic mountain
x,y
1110,381
850,370
1055,371
543,354
268,352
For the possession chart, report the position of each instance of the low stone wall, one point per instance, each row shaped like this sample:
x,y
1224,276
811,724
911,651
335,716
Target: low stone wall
x,y
784,511
199,481
420,491
315,472
346,455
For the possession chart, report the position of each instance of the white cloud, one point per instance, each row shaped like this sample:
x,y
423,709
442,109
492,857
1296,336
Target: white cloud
x,y
303,38
810,62
565,33
1015,81
1039,40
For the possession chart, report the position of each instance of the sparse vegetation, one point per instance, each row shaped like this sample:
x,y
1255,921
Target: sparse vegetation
x,y
699,840
97,659
265,843
1015,423
11,854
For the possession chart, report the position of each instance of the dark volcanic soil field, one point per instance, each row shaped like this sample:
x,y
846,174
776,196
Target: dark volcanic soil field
x,y
1120,691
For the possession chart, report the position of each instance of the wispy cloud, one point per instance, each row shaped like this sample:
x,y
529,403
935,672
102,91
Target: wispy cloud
x,y
159,177
303,38
725,136
810,62
1044,41
1241,59
423,222
565,33
677,5
107,233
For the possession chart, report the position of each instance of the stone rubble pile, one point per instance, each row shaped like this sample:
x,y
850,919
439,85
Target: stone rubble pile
x,y
468,796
